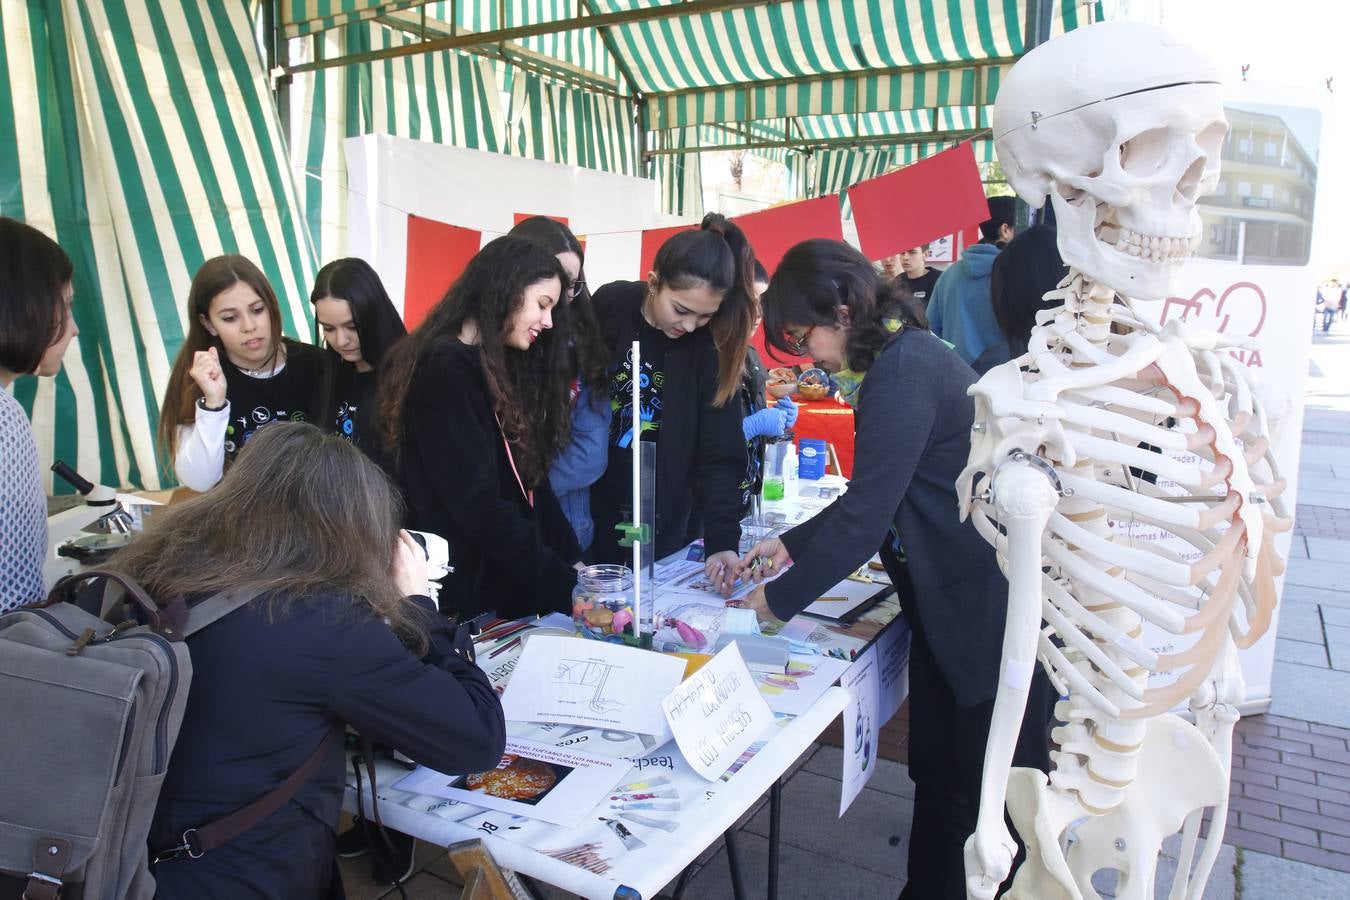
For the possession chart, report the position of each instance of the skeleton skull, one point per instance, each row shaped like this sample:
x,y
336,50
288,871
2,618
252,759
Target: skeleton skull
x,y
1122,152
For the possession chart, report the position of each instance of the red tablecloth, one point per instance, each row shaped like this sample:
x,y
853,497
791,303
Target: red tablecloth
x,y
831,421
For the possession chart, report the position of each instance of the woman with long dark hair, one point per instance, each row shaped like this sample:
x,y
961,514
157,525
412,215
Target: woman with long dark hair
x,y
475,405
36,327
693,316
913,437
234,373
340,632
583,461
358,324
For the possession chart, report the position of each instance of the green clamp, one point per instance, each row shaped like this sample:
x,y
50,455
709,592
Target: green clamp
x,y
633,533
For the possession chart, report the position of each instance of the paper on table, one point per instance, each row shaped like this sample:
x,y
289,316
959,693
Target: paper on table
x,y
853,593
716,713
592,683
793,692
537,781
861,726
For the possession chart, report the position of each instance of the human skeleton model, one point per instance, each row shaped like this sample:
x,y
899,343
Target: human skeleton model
x,y
1122,127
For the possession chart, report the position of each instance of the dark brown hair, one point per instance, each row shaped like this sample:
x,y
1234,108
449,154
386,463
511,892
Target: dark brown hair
x,y
34,272
215,276
530,390
815,279
576,318
719,257
299,513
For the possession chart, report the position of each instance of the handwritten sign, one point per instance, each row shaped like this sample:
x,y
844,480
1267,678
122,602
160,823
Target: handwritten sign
x,y
716,713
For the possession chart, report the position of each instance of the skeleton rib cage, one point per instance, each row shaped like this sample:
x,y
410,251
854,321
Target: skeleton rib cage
x,y
1103,412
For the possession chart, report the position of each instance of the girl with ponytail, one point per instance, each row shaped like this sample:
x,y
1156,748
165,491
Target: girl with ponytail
x,y
692,316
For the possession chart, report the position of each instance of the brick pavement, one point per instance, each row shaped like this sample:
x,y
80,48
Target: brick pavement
x,y
1322,521
1291,791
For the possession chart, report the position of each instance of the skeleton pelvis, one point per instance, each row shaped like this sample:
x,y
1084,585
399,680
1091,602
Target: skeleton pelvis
x,y
1178,772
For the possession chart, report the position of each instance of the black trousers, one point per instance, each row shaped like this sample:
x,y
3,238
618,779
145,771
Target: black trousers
x,y
946,760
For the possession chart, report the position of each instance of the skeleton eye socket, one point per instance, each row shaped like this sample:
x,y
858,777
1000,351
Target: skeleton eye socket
x,y
1211,139
1145,153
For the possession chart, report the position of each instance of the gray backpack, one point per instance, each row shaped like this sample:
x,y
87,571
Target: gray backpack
x,y
89,712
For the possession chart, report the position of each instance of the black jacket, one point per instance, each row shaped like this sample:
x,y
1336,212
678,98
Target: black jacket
x,y
701,447
913,440
457,482
266,689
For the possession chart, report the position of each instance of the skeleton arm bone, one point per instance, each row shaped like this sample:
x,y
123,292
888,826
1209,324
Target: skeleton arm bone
x,y
1025,499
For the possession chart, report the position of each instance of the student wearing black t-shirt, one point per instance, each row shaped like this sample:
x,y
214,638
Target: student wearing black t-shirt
x,y
358,323
915,274
690,385
475,406
234,374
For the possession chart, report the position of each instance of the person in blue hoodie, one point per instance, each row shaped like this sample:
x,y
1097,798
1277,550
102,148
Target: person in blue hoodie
x,y
960,310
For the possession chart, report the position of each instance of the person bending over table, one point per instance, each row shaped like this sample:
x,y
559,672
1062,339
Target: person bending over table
x,y
693,317
476,405
582,462
913,437
340,632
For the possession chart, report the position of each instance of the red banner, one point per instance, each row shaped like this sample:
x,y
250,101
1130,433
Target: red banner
x,y
521,217
936,196
772,232
437,254
652,239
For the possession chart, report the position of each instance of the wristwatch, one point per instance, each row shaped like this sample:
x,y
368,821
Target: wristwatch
x,y
201,404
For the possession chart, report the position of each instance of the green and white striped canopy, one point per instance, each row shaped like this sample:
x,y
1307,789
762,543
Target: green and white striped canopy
x,y
143,137
902,76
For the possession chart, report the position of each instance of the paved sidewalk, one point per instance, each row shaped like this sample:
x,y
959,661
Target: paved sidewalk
x,y
1289,823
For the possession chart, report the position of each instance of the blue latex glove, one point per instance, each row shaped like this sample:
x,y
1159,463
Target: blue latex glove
x,y
790,409
765,423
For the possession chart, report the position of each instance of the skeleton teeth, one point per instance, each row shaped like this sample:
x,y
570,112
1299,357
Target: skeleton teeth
x,y
1133,249
1151,247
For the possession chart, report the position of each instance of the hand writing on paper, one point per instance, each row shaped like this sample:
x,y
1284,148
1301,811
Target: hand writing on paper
x,y
720,568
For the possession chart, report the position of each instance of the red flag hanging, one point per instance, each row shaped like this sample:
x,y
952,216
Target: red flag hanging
x,y
521,217
437,254
936,196
772,232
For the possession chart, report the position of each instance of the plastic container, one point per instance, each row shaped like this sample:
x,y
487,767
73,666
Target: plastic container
x,y
811,461
774,471
602,603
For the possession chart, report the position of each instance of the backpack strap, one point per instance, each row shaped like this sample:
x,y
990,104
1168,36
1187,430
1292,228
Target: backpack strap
x,y
204,839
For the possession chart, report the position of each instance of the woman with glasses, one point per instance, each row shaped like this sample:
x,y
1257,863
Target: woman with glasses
x,y
583,461
693,316
913,437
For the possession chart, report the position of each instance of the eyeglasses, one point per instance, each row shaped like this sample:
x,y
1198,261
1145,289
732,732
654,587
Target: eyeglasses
x,y
797,345
574,290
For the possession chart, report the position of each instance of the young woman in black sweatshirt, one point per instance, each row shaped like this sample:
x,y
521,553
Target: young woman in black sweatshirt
x,y
474,406
358,323
693,317
234,373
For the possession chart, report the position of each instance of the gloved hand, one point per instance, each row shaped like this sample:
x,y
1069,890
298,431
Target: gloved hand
x,y
765,423
790,409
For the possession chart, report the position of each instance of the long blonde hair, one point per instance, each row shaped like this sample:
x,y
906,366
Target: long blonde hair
x,y
300,512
